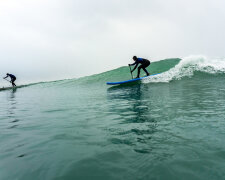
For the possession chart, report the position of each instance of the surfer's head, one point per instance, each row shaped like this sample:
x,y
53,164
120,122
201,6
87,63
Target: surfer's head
x,y
134,58
7,73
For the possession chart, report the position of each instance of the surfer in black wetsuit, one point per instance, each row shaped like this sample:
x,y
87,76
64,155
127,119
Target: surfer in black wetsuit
x,y
144,63
13,78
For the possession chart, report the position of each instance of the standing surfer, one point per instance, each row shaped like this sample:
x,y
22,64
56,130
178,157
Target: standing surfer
x,y
13,78
144,63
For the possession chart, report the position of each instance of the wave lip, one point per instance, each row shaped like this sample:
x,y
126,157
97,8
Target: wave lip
x,y
188,66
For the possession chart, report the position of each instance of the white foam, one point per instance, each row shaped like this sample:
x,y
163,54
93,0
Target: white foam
x,y
187,66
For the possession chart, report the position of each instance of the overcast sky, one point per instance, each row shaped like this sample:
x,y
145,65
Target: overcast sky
x,y
56,39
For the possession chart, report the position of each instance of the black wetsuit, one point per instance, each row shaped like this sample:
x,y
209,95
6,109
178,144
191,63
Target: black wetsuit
x,y
13,78
144,63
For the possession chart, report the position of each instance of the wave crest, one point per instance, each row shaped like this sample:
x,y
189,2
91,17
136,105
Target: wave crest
x,y
188,66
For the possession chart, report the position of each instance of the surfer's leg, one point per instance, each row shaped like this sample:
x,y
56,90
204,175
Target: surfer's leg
x,y
146,65
146,71
13,84
139,70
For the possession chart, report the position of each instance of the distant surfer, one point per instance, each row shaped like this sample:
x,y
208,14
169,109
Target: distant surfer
x,y
144,63
13,78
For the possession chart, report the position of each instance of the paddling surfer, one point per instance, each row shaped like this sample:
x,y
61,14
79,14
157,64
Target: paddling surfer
x,y
144,63
13,78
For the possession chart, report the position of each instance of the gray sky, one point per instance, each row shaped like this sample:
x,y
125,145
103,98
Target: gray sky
x,y
56,39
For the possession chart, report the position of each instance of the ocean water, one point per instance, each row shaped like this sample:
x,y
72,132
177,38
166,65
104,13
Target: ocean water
x,y
169,126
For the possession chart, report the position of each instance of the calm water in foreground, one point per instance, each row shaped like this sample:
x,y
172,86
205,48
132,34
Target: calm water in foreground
x,y
83,129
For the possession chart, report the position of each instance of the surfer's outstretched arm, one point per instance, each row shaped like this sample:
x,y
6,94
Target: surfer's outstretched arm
x,y
136,64
135,67
6,77
132,64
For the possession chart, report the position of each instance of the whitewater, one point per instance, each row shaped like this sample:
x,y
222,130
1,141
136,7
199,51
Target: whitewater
x,y
169,126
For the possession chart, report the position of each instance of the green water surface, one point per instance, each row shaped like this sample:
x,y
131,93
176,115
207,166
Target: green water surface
x,y
84,129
